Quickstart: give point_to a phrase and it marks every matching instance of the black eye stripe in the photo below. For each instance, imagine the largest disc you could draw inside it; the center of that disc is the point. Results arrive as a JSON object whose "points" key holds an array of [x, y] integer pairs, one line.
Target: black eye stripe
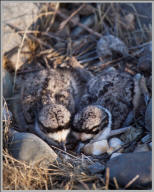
{"points": [[53, 130]]}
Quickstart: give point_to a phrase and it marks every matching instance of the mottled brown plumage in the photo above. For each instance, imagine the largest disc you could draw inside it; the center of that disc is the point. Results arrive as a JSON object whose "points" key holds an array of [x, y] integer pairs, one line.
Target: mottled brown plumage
{"points": [[112, 90], [50, 96]]}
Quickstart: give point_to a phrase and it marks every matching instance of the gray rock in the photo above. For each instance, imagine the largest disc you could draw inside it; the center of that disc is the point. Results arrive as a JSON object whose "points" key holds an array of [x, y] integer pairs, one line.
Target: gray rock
{"points": [[30, 148], [148, 117], [96, 168], [127, 166], [20, 15]]}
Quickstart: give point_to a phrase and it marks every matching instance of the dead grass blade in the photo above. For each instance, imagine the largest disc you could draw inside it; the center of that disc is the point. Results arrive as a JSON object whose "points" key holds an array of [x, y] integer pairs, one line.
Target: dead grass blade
{"points": [[107, 178], [79, 24], [54, 16], [131, 182], [116, 183], [62, 25], [18, 57]]}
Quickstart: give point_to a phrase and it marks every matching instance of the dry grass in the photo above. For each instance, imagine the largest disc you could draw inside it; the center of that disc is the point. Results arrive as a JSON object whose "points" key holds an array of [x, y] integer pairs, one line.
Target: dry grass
{"points": [[62, 174], [54, 25]]}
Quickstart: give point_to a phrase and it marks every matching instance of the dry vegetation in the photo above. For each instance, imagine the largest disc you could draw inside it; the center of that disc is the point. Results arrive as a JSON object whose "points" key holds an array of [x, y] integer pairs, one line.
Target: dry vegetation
{"points": [[49, 41]]}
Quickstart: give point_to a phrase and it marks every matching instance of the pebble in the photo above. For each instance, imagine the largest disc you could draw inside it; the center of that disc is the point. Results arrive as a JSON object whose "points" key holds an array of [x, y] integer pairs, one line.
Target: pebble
{"points": [[148, 117], [96, 148], [20, 17], [114, 144], [96, 168], [30, 148], [115, 155], [128, 165]]}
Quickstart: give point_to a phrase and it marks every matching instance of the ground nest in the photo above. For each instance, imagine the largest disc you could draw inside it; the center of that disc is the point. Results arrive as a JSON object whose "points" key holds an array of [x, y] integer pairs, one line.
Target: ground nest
{"points": [[65, 35]]}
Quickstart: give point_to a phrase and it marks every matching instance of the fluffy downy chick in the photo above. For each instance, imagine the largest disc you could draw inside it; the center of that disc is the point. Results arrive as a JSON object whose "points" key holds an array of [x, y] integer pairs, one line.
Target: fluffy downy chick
{"points": [[49, 98], [111, 93], [89, 122]]}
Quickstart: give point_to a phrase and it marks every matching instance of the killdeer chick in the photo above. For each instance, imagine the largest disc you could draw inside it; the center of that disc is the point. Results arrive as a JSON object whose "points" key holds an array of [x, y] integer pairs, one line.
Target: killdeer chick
{"points": [[106, 105], [87, 122], [49, 99], [52, 124]]}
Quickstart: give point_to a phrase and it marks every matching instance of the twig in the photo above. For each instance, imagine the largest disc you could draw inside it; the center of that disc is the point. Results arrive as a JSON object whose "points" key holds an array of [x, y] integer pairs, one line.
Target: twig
{"points": [[86, 55], [116, 183], [19, 31], [54, 16], [140, 46], [129, 71], [11, 52], [80, 25], [18, 56], [29, 71], [62, 25], [50, 34], [88, 60], [107, 178], [138, 20], [65, 152], [84, 184], [132, 181]]}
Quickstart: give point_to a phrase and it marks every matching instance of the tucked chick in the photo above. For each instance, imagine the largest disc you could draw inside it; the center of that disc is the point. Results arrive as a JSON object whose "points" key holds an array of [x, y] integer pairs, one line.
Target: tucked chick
{"points": [[106, 104], [49, 98], [90, 121]]}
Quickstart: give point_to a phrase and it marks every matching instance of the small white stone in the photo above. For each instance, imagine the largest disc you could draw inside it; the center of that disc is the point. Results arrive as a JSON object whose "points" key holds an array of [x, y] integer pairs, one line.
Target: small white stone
{"points": [[96, 148], [114, 143], [115, 155]]}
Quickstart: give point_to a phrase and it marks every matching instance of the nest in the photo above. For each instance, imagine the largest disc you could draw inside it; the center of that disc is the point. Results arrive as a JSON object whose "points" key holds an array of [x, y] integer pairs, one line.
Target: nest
{"points": [[61, 35]]}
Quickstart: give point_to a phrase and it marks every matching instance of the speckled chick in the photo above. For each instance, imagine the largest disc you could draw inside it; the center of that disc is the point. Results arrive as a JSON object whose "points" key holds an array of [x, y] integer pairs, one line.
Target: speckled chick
{"points": [[50, 97], [112, 90]]}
